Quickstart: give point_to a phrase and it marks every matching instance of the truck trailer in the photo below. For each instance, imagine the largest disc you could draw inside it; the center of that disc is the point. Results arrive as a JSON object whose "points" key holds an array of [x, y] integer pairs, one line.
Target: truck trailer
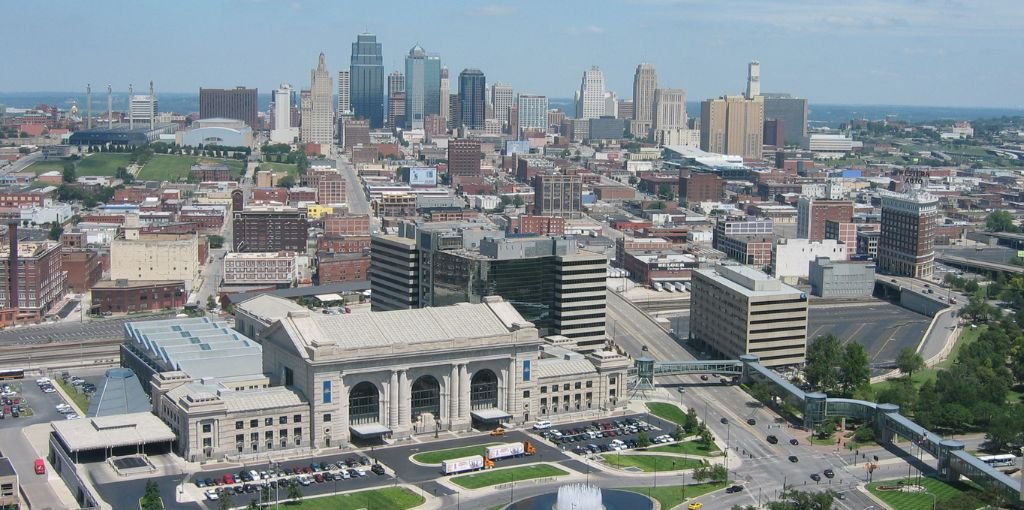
{"points": [[461, 465], [503, 451]]}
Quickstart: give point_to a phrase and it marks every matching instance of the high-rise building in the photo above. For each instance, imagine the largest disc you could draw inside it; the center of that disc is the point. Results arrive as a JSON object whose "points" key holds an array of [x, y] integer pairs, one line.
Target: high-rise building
{"points": [[625, 110], [264, 229], [737, 310], [397, 100], [367, 78], [558, 195], [611, 105], [645, 82], [35, 273], [282, 131], [753, 80], [330, 190], [318, 115], [463, 159], [669, 109], [143, 108], [502, 98], [733, 125], [533, 112], [472, 101], [811, 215], [344, 91], [696, 187], [906, 246], [422, 86], [590, 98], [238, 103], [445, 96], [553, 283], [791, 111]]}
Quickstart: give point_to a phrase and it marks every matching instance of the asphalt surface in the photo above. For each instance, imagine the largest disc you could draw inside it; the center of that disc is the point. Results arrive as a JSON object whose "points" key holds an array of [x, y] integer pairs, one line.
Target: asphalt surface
{"points": [[882, 328], [101, 329]]}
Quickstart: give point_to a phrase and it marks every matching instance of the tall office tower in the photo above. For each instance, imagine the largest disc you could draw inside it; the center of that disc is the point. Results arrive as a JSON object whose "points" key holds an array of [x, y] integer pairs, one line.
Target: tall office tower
{"points": [[906, 246], [238, 103], [732, 125], [282, 131], [463, 159], [367, 77], [669, 109], [792, 111], [318, 115], [394, 273], [753, 79], [397, 100], [551, 281], [738, 310], [472, 103], [513, 122], [502, 98], [454, 111], [344, 91], [558, 195], [445, 96], [422, 87], [811, 215], [625, 110], [590, 98], [645, 82], [533, 113], [143, 108], [611, 105]]}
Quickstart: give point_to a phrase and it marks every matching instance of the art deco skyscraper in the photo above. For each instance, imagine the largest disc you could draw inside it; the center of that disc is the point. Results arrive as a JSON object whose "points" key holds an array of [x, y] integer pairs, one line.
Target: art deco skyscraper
{"points": [[645, 81], [396, 100], [590, 99], [753, 79], [367, 75], [317, 115]]}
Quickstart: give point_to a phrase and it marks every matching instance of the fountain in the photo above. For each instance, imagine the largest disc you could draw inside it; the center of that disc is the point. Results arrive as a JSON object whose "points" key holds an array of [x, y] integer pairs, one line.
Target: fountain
{"points": [[578, 496]]}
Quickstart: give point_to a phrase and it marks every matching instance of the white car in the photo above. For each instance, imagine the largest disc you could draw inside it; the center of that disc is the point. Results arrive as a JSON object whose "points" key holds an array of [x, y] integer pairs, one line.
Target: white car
{"points": [[361, 471], [541, 425], [212, 495], [343, 474]]}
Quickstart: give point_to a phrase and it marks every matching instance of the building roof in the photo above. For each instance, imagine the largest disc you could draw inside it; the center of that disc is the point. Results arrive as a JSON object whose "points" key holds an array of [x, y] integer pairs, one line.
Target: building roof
{"points": [[558, 367], [274, 397], [200, 347], [297, 292], [121, 393], [6, 469], [112, 431], [747, 281], [268, 308]]}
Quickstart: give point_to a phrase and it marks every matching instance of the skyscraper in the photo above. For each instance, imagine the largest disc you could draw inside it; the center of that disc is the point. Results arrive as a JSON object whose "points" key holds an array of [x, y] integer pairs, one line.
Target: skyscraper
{"points": [[422, 87], [611, 105], [732, 125], [396, 100], [472, 103], [238, 103], [502, 98], [445, 95], [533, 113], [791, 111], [590, 98], [669, 109], [367, 76], [906, 246], [753, 79], [344, 92], [645, 82], [282, 131], [318, 116]]}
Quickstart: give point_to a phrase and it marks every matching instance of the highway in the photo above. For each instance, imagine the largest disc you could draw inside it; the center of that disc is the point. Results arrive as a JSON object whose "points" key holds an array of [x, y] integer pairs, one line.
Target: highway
{"points": [[22, 163]]}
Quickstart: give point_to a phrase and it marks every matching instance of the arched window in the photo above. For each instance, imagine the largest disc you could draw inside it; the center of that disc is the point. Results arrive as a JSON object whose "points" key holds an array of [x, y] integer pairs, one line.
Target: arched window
{"points": [[426, 397], [363, 404], [483, 390]]}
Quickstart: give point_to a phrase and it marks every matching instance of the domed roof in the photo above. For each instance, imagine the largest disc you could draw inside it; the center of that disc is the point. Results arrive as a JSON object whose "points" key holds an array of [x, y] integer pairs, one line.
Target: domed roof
{"points": [[417, 51]]}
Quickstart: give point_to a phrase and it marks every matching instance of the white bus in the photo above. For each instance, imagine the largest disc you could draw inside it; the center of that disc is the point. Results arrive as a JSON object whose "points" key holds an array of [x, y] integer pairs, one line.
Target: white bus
{"points": [[1005, 460]]}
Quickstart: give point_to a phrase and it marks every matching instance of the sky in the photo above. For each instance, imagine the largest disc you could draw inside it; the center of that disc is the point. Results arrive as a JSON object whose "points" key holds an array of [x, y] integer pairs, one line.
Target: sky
{"points": [[895, 52]]}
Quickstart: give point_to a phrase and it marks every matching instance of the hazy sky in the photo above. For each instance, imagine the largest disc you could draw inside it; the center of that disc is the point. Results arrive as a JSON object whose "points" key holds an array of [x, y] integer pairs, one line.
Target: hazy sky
{"points": [[910, 52]]}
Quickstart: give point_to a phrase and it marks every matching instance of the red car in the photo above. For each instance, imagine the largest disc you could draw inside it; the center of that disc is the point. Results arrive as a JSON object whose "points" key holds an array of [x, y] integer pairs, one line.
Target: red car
{"points": [[319, 478], [229, 479]]}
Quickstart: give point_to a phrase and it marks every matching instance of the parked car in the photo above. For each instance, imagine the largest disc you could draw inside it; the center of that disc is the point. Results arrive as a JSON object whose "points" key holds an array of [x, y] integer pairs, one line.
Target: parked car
{"points": [[377, 469]]}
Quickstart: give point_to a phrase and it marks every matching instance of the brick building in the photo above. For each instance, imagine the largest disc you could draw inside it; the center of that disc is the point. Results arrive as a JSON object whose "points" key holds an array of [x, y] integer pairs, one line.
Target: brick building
{"points": [[279, 195], [541, 225], [331, 190], [463, 159], [342, 267], [41, 280], [123, 296], [265, 229], [344, 244], [210, 172], [558, 195], [696, 187], [84, 269], [346, 225], [811, 215]]}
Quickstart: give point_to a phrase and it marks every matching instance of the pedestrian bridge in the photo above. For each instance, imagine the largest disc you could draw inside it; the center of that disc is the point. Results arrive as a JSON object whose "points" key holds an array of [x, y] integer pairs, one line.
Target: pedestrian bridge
{"points": [[816, 407]]}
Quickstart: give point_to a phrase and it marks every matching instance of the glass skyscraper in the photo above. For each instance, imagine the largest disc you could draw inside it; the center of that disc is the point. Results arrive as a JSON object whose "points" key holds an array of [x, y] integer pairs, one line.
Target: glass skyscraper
{"points": [[472, 98], [422, 87], [367, 80]]}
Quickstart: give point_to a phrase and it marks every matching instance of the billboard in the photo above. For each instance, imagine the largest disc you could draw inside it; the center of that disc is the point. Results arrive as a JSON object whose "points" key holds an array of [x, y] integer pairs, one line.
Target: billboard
{"points": [[423, 176]]}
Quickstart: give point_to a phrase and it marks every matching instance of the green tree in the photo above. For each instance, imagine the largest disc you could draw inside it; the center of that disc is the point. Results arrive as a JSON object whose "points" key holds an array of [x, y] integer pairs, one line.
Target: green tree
{"points": [[70, 173], [286, 182], [678, 434], [864, 434], [706, 439], [517, 201], [211, 303], [253, 505], [1000, 221], [643, 440], [909, 361], [798, 500], [151, 497], [691, 422], [294, 492], [971, 286], [701, 473], [760, 392], [719, 473], [55, 231], [822, 359], [854, 367], [665, 192], [226, 501], [215, 241]]}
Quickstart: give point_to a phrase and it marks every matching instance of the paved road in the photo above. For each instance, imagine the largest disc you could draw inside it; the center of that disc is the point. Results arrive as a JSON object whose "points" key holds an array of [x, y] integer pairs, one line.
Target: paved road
{"points": [[22, 163], [357, 202], [73, 333], [882, 328]]}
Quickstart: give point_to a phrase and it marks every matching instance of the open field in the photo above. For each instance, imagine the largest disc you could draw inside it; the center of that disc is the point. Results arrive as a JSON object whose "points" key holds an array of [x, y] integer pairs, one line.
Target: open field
{"points": [[919, 500], [650, 463], [41, 167], [672, 495], [392, 498], [291, 169], [104, 164], [165, 167], [668, 412], [686, 448], [499, 476]]}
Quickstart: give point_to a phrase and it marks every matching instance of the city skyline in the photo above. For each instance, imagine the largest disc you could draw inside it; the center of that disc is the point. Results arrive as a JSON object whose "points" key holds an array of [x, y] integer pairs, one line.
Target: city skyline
{"points": [[898, 53]]}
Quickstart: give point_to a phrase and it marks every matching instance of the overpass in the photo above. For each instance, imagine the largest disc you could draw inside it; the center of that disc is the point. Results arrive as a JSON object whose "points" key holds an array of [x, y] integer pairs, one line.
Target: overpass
{"points": [[816, 407], [974, 264]]}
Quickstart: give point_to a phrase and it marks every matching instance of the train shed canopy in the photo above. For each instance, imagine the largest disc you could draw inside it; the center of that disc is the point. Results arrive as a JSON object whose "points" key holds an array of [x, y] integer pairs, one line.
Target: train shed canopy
{"points": [[111, 432]]}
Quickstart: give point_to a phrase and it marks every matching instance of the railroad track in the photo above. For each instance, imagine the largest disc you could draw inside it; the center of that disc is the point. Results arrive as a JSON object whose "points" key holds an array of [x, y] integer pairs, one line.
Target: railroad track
{"points": [[60, 355]]}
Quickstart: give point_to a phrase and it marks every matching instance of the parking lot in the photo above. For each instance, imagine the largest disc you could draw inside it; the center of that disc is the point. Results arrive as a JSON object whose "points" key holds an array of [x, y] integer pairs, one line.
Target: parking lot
{"points": [[40, 406], [882, 328], [604, 434]]}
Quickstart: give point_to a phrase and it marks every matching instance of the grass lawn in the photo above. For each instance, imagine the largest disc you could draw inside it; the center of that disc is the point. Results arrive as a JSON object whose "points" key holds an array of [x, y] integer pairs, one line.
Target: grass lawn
{"points": [[437, 456], [41, 167], [80, 400], [102, 164], [670, 412], [292, 169], [499, 476], [686, 448], [672, 495], [828, 441], [919, 500], [164, 167], [969, 336], [651, 463], [392, 498]]}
